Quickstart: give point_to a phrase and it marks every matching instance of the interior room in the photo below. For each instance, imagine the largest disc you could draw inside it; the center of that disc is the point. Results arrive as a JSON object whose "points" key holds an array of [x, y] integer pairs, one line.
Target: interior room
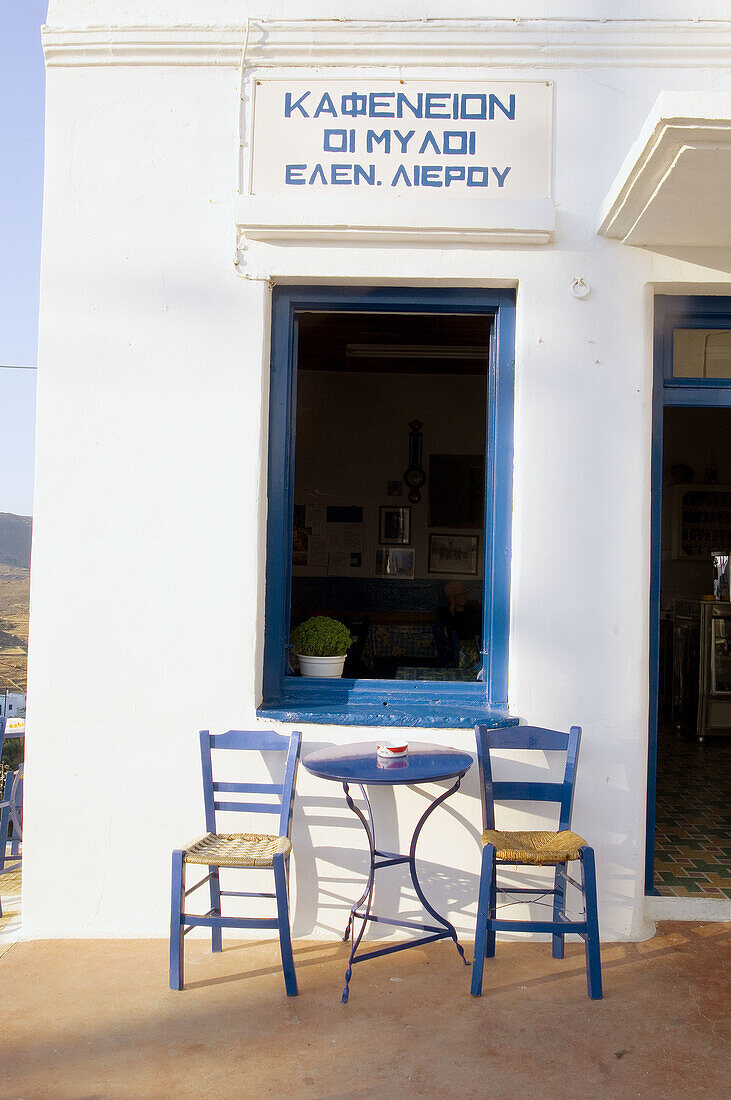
{"points": [[389, 488], [693, 824]]}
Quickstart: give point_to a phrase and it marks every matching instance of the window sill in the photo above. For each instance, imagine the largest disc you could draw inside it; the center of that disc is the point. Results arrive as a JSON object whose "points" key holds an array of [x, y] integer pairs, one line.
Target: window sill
{"points": [[381, 703]]}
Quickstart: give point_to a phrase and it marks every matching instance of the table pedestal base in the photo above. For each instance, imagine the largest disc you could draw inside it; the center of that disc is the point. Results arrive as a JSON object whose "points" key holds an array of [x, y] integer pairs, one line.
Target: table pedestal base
{"points": [[362, 908]]}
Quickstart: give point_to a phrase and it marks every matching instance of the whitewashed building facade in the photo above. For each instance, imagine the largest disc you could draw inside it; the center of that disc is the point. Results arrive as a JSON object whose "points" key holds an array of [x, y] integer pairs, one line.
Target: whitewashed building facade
{"points": [[578, 167]]}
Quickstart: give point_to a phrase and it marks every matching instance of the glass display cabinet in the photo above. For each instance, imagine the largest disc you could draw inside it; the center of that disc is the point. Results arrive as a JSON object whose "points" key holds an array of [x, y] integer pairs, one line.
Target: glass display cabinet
{"points": [[702, 667]]}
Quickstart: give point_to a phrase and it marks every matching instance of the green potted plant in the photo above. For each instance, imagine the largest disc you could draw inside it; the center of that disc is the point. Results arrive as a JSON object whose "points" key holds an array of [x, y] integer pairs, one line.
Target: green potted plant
{"points": [[320, 645]]}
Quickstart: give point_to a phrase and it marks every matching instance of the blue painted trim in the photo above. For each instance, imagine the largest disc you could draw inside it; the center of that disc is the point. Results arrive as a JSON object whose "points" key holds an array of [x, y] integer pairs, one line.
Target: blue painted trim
{"points": [[499, 501], [452, 715], [382, 693], [655, 569], [351, 702], [700, 384], [671, 312], [713, 397]]}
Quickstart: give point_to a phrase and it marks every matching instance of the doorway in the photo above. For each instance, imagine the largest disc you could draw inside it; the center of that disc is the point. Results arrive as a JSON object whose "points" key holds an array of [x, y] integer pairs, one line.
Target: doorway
{"points": [[689, 780], [693, 823]]}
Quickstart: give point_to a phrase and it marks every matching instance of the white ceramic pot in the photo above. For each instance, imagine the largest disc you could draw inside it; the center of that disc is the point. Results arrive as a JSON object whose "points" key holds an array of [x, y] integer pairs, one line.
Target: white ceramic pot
{"points": [[331, 667]]}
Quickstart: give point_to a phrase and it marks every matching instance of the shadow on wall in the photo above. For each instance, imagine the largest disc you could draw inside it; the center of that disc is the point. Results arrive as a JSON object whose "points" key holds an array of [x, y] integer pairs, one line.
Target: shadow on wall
{"points": [[449, 890], [715, 259], [331, 878]]}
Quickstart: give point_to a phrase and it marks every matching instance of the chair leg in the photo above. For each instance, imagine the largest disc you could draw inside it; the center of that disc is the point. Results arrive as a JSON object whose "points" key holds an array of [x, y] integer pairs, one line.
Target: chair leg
{"points": [[557, 938], [4, 823], [593, 950], [215, 885], [484, 898], [492, 913], [4, 817], [176, 927], [285, 939]]}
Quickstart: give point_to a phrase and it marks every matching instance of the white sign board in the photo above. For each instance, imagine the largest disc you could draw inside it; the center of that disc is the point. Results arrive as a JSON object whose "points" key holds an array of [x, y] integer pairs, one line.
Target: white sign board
{"points": [[432, 139]]}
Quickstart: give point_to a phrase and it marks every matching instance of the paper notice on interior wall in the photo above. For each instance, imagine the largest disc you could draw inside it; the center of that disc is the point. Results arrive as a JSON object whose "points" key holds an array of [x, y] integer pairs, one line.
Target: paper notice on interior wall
{"points": [[353, 538], [317, 552], [346, 537], [315, 515], [300, 537], [338, 564]]}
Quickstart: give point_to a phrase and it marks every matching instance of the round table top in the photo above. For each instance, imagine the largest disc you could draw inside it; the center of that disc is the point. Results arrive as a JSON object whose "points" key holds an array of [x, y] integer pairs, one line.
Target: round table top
{"points": [[359, 764]]}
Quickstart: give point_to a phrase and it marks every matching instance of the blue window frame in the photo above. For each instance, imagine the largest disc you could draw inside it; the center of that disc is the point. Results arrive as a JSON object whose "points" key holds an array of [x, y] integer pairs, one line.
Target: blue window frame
{"points": [[388, 702], [672, 312]]}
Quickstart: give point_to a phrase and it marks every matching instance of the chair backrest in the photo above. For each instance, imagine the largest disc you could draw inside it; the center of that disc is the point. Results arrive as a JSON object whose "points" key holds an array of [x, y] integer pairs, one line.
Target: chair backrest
{"points": [[16, 732], [11, 812], [526, 737], [259, 741], [16, 803]]}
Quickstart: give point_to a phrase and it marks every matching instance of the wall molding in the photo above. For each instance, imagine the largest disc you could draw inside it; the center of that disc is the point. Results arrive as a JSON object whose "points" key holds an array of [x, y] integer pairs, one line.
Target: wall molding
{"points": [[686, 134], [395, 220], [536, 44]]}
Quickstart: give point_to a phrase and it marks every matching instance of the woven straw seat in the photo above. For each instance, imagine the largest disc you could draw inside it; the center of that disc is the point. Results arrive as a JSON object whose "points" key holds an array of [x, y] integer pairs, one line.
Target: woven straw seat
{"points": [[535, 848], [237, 849], [225, 794]]}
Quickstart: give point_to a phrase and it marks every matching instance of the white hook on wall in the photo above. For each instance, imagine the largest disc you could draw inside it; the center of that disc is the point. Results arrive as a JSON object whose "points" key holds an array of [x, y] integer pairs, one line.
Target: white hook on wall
{"points": [[580, 288]]}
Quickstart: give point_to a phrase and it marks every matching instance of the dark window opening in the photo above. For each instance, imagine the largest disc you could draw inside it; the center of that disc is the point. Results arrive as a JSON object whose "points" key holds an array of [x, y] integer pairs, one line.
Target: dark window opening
{"points": [[374, 390], [389, 488]]}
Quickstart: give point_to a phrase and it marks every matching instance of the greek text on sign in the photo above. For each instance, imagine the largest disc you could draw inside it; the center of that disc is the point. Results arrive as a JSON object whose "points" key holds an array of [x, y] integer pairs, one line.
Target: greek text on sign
{"points": [[465, 138]]}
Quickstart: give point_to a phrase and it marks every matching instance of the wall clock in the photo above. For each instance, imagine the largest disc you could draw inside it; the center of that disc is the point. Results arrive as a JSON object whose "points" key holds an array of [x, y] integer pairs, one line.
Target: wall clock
{"points": [[415, 476]]}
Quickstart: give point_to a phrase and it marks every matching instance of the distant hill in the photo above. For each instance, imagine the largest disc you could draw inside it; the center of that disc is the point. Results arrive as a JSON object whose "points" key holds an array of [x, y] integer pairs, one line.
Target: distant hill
{"points": [[14, 600], [15, 536]]}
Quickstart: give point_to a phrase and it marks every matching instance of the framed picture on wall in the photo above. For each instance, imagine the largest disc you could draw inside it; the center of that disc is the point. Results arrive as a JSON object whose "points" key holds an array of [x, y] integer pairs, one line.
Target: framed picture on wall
{"points": [[395, 526], [453, 554], [456, 491], [394, 563]]}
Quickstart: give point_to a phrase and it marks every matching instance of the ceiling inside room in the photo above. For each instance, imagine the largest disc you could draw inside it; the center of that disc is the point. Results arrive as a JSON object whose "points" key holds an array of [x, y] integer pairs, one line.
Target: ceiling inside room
{"points": [[394, 342]]}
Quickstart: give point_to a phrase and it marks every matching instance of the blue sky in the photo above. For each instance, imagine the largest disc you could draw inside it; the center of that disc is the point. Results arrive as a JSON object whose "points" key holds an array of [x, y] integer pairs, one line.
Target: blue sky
{"points": [[22, 91]]}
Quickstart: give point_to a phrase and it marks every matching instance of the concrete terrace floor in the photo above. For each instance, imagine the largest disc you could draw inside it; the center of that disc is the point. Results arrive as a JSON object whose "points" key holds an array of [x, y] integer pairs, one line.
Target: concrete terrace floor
{"points": [[94, 1018]]}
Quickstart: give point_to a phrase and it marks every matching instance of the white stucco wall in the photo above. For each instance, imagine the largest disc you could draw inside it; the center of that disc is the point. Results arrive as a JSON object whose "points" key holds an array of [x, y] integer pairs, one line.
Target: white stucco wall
{"points": [[76, 13], [149, 534]]}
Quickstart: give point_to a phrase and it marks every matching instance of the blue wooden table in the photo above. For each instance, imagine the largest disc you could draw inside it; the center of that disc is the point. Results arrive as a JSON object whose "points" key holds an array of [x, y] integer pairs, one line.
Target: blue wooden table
{"points": [[358, 764]]}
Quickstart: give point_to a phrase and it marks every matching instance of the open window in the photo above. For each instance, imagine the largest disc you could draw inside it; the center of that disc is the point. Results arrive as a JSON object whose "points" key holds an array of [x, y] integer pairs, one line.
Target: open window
{"points": [[390, 478]]}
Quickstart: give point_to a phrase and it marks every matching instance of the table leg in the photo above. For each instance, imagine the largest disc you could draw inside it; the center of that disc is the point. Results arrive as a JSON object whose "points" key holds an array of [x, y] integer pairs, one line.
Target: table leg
{"points": [[368, 892], [389, 859], [412, 868]]}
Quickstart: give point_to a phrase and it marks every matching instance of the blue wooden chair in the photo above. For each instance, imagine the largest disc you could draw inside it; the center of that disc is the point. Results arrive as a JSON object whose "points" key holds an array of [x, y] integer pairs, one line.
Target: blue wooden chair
{"points": [[216, 850], [542, 849], [11, 824]]}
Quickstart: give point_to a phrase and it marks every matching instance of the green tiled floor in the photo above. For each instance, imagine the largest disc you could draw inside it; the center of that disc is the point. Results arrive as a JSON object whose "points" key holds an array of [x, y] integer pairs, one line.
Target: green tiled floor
{"points": [[693, 816]]}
